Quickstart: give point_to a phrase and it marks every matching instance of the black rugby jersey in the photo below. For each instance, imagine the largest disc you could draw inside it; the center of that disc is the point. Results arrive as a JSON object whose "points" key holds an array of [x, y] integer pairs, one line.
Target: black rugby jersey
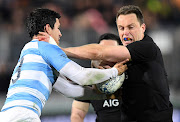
{"points": [[107, 110], [146, 92]]}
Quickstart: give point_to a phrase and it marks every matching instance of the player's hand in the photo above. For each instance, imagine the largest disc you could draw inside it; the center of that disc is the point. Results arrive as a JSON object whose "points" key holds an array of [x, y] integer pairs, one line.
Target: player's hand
{"points": [[43, 36], [121, 66], [110, 96]]}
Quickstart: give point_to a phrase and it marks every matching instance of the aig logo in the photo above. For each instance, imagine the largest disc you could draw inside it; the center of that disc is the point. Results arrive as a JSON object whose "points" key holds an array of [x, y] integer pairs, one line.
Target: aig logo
{"points": [[111, 102]]}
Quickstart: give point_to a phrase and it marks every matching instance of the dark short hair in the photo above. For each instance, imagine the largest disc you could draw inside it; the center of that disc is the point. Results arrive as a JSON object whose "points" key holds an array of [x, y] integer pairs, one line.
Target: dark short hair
{"points": [[37, 20], [130, 9], [110, 36]]}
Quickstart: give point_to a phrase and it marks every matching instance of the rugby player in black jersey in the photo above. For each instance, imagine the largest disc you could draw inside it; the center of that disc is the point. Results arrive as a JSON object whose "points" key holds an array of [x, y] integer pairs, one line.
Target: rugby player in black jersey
{"points": [[145, 92], [106, 110]]}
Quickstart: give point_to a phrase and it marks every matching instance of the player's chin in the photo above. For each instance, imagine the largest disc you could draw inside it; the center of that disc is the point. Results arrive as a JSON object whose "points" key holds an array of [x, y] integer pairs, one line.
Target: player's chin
{"points": [[127, 43]]}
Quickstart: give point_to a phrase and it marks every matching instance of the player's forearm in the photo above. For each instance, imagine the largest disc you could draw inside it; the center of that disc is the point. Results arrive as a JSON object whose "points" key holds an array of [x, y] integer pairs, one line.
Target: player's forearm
{"points": [[99, 52], [75, 91], [90, 51], [87, 76]]}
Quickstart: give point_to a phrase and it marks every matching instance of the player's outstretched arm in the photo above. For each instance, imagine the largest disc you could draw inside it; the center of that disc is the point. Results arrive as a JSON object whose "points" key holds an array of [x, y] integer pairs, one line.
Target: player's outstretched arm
{"points": [[89, 76], [98, 52], [93, 51]]}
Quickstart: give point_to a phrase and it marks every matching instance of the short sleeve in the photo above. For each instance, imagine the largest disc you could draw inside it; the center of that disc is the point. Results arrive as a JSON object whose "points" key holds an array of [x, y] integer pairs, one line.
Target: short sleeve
{"points": [[142, 51], [86, 101], [53, 55]]}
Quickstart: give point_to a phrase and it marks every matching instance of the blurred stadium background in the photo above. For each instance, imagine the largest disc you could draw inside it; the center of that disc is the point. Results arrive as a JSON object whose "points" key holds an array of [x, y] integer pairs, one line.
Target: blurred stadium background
{"points": [[82, 22]]}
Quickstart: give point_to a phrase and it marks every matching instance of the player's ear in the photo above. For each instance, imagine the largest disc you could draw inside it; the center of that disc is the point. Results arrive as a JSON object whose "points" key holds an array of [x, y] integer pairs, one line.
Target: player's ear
{"points": [[47, 29], [143, 26]]}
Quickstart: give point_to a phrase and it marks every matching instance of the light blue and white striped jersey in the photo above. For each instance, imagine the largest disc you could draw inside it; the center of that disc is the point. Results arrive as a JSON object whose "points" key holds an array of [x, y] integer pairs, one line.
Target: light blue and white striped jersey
{"points": [[32, 79]]}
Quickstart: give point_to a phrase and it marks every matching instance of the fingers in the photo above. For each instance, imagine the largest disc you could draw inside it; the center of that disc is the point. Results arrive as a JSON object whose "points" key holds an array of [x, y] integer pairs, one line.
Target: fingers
{"points": [[121, 66], [44, 33], [125, 61], [100, 67], [107, 67], [111, 96], [40, 37], [43, 36], [126, 67]]}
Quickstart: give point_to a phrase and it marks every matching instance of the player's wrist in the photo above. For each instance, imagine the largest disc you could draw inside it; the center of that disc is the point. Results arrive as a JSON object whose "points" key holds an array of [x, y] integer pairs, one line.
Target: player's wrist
{"points": [[115, 71]]}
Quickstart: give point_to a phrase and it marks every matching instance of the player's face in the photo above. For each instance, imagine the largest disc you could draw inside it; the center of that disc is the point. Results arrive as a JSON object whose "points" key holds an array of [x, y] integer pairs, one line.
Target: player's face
{"points": [[129, 28], [55, 32]]}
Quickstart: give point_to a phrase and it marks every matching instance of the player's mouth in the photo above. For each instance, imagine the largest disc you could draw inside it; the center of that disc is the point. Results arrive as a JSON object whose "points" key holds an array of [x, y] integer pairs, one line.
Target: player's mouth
{"points": [[127, 39]]}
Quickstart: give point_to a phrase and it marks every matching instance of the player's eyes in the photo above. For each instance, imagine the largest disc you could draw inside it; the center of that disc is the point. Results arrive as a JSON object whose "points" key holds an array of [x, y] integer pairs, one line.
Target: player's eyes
{"points": [[121, 28], [131, 27]]}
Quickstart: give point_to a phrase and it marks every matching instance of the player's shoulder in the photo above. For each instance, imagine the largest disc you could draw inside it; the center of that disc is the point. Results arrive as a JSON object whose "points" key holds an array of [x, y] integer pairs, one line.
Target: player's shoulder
{"points": [[46, 45]]}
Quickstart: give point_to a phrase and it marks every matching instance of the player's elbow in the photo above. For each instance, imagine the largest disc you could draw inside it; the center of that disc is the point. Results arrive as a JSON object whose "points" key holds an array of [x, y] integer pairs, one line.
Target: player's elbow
{"points": [[77, 115], [76, 118]]}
